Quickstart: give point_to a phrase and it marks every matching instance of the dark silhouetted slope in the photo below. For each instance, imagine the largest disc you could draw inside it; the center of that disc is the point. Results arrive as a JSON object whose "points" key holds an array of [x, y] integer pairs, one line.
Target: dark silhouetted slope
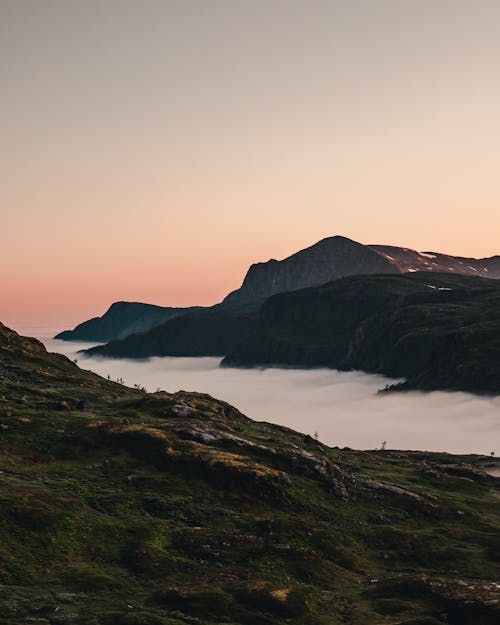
{"points": [[207, 332], [436, 330], [331, 258], [121, 320]]}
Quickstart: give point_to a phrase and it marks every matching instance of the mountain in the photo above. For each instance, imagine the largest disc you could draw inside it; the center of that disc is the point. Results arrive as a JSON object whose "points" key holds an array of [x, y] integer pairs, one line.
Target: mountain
{"points": [[327, 260], [205, 332], [121, 320], [438, 331], [331, 258], [122, 507], [338, 257]]}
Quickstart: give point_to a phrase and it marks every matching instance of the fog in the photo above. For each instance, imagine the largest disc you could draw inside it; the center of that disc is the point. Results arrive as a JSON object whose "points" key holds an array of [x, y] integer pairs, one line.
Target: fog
{"points": [[343, 408]]}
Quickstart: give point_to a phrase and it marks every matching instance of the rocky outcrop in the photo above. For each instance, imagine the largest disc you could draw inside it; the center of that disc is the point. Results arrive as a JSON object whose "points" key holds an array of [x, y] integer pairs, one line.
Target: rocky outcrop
{"points": [[397, 489]]}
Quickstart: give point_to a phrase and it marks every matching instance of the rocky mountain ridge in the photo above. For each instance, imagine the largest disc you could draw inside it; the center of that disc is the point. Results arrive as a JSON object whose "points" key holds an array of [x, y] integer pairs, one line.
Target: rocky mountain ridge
{"points": [[408, 261], [437, 331], [329, 259], [339, 257]]}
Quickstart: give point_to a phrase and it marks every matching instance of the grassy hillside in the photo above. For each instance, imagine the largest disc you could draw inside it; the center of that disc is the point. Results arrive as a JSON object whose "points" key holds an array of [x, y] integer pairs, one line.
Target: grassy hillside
{"points": [[125, 508], [435, 330]]}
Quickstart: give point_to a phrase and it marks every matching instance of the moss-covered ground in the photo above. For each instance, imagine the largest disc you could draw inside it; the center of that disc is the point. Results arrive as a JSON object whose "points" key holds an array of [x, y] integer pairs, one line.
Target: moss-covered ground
{"points": [[121, 507]]}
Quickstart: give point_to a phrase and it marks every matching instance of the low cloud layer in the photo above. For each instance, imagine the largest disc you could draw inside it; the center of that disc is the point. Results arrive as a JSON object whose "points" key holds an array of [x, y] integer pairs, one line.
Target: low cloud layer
{"points": [[344, 408]]}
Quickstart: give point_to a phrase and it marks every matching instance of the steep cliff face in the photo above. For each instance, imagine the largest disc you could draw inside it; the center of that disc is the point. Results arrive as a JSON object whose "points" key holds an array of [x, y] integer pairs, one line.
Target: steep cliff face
{"points": [[329, 259], [121, 320]]}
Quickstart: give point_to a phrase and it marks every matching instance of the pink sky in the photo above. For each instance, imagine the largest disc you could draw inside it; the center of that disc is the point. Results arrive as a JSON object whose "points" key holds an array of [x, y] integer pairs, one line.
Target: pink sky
{"points": [[154, 150]]}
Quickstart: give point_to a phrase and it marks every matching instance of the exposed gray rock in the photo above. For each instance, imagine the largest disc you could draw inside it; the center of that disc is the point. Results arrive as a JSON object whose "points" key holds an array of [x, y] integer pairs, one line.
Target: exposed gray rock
{"points": [[180, 410], [329, 259], [396, 489]]}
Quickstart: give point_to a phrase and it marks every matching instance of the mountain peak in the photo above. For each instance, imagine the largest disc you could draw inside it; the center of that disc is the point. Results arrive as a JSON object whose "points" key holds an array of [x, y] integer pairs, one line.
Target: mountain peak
{"points": [[338, 256], [328, 259]]}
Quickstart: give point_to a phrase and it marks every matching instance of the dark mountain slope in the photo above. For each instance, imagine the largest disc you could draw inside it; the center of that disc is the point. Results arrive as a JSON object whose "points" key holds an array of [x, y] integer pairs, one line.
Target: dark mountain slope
{"points": [[327, 260], [125, 508], [338, 257], [436, 330], [206, 332], [331, 258], [121, 320]]}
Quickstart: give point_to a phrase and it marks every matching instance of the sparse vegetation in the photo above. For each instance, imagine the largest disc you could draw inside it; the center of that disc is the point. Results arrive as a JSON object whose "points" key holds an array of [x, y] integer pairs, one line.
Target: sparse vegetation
{"points": [[121, 507]]}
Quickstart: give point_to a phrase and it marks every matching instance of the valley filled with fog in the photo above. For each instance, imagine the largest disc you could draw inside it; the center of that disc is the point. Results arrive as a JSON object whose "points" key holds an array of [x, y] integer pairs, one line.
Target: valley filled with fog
{"points": [[344, 409]]}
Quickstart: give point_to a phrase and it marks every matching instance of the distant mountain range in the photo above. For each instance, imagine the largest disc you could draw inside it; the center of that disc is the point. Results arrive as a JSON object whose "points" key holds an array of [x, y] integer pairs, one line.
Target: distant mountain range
{"points": [[437, 331], [338, 257], [430, 318], [329, 259]]}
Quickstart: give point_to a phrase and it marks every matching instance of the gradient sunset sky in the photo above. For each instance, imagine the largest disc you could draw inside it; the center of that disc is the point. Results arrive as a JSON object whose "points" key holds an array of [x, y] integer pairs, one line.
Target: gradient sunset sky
{"points": [[153, 149]]}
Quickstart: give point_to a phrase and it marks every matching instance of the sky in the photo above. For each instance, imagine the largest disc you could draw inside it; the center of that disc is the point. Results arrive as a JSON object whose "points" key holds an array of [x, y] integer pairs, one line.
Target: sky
{"points": [[153, 149]]}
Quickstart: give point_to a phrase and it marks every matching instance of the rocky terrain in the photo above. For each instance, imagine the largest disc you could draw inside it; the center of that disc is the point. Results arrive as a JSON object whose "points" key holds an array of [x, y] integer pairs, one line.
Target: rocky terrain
{"points": [[329, 259], [122, 319], [338, 257], [438, 331], [408, 261], [122, 507]]}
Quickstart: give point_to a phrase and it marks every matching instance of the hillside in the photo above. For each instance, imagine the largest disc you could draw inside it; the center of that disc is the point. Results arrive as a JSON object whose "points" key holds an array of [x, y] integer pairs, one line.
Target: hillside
{"points": [[439, 331], [121, 507], [210, 331], [122, 319], [409, 261]]}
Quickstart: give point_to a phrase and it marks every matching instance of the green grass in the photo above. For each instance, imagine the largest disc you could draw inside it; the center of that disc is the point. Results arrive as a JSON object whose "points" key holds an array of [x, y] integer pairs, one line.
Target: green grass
{"points": [[121, 514]]}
